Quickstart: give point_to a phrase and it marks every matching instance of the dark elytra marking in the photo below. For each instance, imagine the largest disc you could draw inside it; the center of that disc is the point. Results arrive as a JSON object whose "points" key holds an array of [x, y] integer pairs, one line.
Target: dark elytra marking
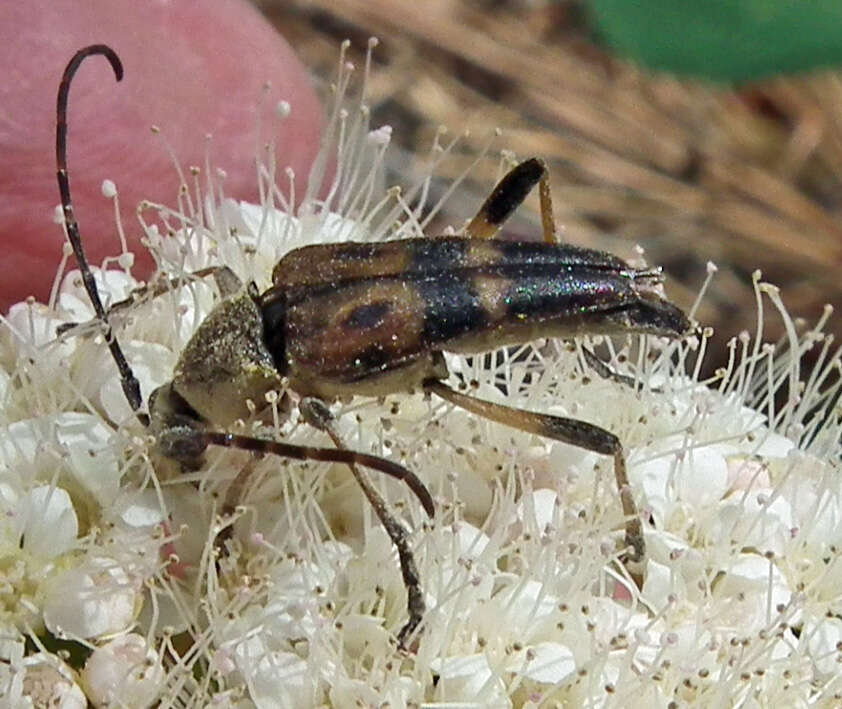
{"points": [[539, 254], [537, 296], [274, 329], [452, 308], [535, 254], [434, 256], [368, 316], [372, 359]]}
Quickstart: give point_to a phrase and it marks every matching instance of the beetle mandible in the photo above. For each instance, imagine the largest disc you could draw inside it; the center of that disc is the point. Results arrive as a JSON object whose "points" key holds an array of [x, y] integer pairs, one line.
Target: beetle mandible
{"points": [[375, 318]]}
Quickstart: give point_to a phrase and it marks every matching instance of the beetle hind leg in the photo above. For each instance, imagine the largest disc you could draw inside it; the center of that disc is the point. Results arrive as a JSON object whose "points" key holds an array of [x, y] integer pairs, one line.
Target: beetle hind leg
{"points": [[508, 195], [578, 433]]}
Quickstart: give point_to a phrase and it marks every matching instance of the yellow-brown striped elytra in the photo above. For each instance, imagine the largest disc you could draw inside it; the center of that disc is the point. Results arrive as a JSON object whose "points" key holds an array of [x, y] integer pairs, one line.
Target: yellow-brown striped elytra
{"points": [[375, 318]]}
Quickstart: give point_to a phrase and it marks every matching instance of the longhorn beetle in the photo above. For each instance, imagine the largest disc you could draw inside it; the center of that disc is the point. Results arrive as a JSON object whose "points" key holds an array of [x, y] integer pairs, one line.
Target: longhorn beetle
{"points": [[374, 318]]}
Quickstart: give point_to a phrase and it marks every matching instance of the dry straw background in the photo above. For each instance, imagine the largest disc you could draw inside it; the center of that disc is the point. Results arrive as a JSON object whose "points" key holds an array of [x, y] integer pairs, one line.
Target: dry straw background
{"points": [[748, 178]]}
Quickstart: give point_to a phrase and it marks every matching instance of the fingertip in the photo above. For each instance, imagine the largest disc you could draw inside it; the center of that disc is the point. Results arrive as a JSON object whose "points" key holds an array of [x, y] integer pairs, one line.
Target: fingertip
{"points": [[194, 69]]}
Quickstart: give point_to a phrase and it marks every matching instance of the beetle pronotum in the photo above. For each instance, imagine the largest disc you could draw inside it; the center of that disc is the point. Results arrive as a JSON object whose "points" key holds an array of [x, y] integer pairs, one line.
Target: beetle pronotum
{"points": [[375, 318]]}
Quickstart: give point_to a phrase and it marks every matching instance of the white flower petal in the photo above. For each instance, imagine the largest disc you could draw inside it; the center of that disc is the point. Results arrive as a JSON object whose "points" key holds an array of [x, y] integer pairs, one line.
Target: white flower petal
{"points": [[113, 284], [703, 477], [824, 638], [276, 679], [752, 590], [347, 692], [82, 439], [525, 608], [539, 510], [50, 525], [34, 328], [91, 455], [544, 663], [656, 476], [142, 509], [49, 682], [91, 601], [469, 678], [760, 519], [124, 671], [774, 445], [747, 473], [818, 517], [661, 583]]}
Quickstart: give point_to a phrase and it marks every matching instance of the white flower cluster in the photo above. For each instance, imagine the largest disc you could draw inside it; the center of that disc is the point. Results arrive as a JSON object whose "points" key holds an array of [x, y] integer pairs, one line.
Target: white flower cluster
{"points": [[259, 582]]}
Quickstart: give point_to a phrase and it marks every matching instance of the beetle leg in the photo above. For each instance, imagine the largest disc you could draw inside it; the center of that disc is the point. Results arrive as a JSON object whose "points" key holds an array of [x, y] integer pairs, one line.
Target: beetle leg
{"points": [[226, 280], [577, 433], [227, 283], [547, 218], [508, 195], [604, 371], [317, 415], [186, 442]]}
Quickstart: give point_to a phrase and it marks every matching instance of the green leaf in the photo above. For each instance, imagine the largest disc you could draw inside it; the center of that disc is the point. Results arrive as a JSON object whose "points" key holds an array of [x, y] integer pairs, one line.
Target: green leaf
{"points": [[723, 40]]}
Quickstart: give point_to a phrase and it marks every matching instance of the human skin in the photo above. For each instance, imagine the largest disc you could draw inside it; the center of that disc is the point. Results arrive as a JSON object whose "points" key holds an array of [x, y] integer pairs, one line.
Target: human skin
{"points": [[193, 68]]}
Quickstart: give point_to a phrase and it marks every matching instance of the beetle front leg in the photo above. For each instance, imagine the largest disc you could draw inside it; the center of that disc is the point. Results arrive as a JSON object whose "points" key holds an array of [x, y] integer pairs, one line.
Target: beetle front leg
{"points": [[317, 415], [227, 283], [577, 433], [226, 280]]}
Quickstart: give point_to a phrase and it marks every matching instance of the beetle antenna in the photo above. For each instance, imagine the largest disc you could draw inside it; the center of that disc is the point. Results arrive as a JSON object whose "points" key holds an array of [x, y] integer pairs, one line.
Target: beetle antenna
{"points": [[131, 387]]}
